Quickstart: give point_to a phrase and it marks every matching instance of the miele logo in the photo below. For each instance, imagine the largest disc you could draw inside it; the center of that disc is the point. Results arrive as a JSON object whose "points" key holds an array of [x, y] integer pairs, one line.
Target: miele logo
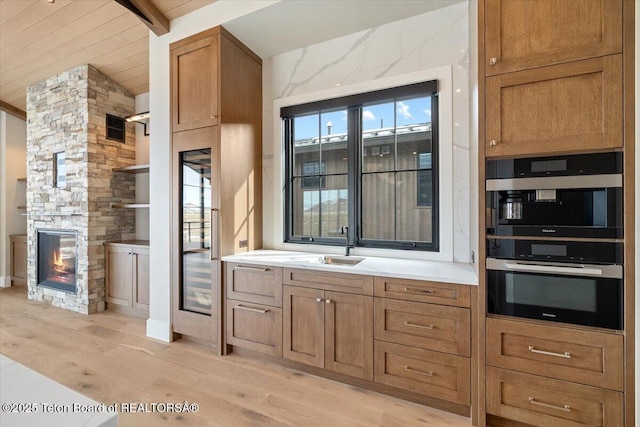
{"points": [[548, 230], [548, 315]]}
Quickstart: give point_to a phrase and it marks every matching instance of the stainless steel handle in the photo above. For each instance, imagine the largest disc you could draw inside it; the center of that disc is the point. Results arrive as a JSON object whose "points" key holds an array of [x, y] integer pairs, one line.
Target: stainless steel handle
{"points": [[553, 269], [415, 325], [565, 355], [417, 371], [493, 143], [565, 408], [328, 301], [242, 267], [318, 299], [251, 309], [555, 182], [213, 234], [420, 291], [493, 61]]}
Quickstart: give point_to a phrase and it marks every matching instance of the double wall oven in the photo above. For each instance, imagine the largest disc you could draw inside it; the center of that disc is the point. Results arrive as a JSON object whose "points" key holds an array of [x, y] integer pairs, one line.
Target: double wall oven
{"points": [[554, 230]]}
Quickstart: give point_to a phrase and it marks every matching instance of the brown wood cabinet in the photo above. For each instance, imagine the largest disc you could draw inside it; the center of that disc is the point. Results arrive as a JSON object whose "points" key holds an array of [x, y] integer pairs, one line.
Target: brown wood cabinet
{"points": [[543, 402], [428, 326], [127, 276], [586, 357], [254, 283], [257, 327], [441, 375], [529, 34], [18, 257], [216, 110], [423, 291], [557, 109], [331, 330]]}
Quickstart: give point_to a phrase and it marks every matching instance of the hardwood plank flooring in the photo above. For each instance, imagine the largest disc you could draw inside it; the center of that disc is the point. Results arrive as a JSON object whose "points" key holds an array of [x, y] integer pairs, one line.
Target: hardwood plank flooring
{"points": [[108, 358]]}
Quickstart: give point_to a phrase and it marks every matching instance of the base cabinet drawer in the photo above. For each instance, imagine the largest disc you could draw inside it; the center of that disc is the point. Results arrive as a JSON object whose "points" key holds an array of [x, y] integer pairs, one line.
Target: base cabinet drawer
{"points": [[423, 291], [551, 403], [255, 327], [428, 326], [440, 375], [254, 283], [586, 357]]}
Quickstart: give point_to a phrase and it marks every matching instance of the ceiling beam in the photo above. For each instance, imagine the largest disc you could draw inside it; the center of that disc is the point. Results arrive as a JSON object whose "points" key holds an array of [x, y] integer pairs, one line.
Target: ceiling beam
{"points": [[14, 111], [149, 14]]}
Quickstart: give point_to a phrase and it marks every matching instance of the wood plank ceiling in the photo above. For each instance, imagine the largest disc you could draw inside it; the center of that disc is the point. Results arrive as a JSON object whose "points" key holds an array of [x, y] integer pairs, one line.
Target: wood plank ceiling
{"points": [[39, 39]]}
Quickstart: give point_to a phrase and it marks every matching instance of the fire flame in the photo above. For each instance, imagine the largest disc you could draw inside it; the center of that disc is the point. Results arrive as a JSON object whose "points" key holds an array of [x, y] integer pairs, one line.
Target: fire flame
{"points": [[58, 264]]}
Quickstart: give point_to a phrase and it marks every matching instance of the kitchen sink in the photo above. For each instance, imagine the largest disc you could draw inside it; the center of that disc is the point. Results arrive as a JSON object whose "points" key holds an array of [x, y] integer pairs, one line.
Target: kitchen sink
{"points": [[341, 260]]}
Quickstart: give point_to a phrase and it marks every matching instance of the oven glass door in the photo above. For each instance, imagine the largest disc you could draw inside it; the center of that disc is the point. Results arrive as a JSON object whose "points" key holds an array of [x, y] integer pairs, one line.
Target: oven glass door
{"points": [[583, 300]]}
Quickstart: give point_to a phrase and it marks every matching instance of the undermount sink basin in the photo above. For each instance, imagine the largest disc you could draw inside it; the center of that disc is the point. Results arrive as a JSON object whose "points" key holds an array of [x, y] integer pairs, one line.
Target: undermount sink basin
{"points": [[341, 260]]}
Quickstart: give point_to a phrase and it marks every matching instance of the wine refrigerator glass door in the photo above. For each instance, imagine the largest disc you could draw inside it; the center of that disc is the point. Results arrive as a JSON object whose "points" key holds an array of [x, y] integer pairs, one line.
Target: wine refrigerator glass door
{"points": [[195, 264]]}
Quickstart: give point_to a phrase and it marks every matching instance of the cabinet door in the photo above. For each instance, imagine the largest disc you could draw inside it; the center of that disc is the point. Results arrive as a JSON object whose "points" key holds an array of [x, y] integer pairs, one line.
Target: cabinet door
{"points": [[141, 270], [533, 33], [196, 279], [303, 325], [348, 334], [194, 84], [557, 109], [118, 275]]}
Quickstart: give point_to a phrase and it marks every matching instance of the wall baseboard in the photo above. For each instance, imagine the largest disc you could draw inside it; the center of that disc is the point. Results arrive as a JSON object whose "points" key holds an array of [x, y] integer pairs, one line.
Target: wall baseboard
{"points": [[159, 330], [5, 281]]}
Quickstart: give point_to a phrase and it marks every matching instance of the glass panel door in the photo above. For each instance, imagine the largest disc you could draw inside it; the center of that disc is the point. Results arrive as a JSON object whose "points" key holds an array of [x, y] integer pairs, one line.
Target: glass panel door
{"points": [[195, 218]]}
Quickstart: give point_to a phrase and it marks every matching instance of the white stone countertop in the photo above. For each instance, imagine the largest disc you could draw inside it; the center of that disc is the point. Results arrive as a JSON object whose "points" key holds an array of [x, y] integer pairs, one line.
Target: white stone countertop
{"points": [[437, 271]]}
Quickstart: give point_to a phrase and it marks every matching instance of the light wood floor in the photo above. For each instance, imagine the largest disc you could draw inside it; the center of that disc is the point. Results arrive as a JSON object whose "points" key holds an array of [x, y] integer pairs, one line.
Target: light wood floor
{"points": [[108, 358]]}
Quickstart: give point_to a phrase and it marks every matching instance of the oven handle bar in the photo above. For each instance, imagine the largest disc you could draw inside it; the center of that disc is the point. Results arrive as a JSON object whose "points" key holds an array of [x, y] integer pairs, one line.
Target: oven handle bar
{"points": [[605, 271], [555, 182]]}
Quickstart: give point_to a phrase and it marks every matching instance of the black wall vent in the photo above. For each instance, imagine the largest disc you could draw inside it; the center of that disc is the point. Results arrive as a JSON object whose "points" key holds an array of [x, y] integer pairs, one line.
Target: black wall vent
{"points": [[115, 128]]}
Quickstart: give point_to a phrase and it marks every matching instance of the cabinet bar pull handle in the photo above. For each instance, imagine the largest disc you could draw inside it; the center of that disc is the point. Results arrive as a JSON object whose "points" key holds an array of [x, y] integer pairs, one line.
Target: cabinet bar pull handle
{"points": [[242, 267], [415, 325], [565, 355], [416, 371], [213, 238], [253, 310], [565, 408], [421, 291]]}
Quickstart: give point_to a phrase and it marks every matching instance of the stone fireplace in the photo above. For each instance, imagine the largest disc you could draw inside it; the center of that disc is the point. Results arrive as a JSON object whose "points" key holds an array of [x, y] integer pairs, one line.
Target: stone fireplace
{"points": [[71, 186]]}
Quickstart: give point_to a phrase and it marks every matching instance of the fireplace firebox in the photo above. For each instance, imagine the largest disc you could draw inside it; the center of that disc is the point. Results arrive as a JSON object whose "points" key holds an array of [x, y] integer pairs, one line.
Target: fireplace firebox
{"points": [[57, 259]]}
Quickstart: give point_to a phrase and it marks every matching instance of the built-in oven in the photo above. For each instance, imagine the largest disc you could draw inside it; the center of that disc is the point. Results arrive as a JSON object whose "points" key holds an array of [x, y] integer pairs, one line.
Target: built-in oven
{"points": [[560, 281], [577, 196]]}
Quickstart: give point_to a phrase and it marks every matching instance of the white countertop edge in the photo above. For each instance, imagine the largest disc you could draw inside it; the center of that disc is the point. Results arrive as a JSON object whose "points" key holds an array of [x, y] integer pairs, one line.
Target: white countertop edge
{"points": [[439, 271]]}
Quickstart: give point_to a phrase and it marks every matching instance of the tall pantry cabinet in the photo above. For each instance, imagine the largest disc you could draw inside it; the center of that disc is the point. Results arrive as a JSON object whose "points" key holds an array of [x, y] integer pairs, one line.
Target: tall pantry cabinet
{"points": [[557, 77], [216, 126]]}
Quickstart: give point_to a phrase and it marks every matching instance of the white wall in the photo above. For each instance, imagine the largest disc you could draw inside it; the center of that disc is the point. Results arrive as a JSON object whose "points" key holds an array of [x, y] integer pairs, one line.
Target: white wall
{"points": [[159, 323], [13, 165], [142, 179], [423, 47]]}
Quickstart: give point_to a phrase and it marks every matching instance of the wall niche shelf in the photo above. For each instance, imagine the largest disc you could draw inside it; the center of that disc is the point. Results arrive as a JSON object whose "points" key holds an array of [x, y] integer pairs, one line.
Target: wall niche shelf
{"points": [[135, 169]]}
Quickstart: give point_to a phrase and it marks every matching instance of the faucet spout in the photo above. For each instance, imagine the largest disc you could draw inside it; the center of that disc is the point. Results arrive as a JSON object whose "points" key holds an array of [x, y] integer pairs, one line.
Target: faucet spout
{"points": [[347, 245]]}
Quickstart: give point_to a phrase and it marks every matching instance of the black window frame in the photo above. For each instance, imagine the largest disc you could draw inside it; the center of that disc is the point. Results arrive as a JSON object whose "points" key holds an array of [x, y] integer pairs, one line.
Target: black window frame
{"points": [[354, 106]]}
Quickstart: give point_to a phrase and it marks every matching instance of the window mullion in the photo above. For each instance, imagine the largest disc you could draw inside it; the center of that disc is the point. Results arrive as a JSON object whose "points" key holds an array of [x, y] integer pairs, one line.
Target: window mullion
{"points": [[353, 172]]}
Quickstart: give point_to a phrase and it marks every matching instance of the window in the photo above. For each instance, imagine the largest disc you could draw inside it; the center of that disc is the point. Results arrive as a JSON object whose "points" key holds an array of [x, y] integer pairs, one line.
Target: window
{"points": [[368, 161]]}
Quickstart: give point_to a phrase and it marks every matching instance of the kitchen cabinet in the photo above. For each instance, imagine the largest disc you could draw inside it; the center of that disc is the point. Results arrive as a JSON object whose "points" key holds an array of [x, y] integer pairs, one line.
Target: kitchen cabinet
{"points": [[331, 330], [254, 307], [328, 320], [127, 276], [529, 34], [562, 108], [543, 402], [423, 337], [18, 257], [216, 128]]}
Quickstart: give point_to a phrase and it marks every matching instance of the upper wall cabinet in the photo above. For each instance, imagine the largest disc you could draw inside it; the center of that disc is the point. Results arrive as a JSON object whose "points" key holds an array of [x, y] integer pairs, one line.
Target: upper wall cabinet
{"points": [[556, 109], [194, 84], [534, 33]]}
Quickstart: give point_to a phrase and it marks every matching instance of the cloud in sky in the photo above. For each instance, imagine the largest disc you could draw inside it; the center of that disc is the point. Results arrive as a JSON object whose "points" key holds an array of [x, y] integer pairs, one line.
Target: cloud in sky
{"points": [[427, 111], [368, 115], [403, 110]]}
